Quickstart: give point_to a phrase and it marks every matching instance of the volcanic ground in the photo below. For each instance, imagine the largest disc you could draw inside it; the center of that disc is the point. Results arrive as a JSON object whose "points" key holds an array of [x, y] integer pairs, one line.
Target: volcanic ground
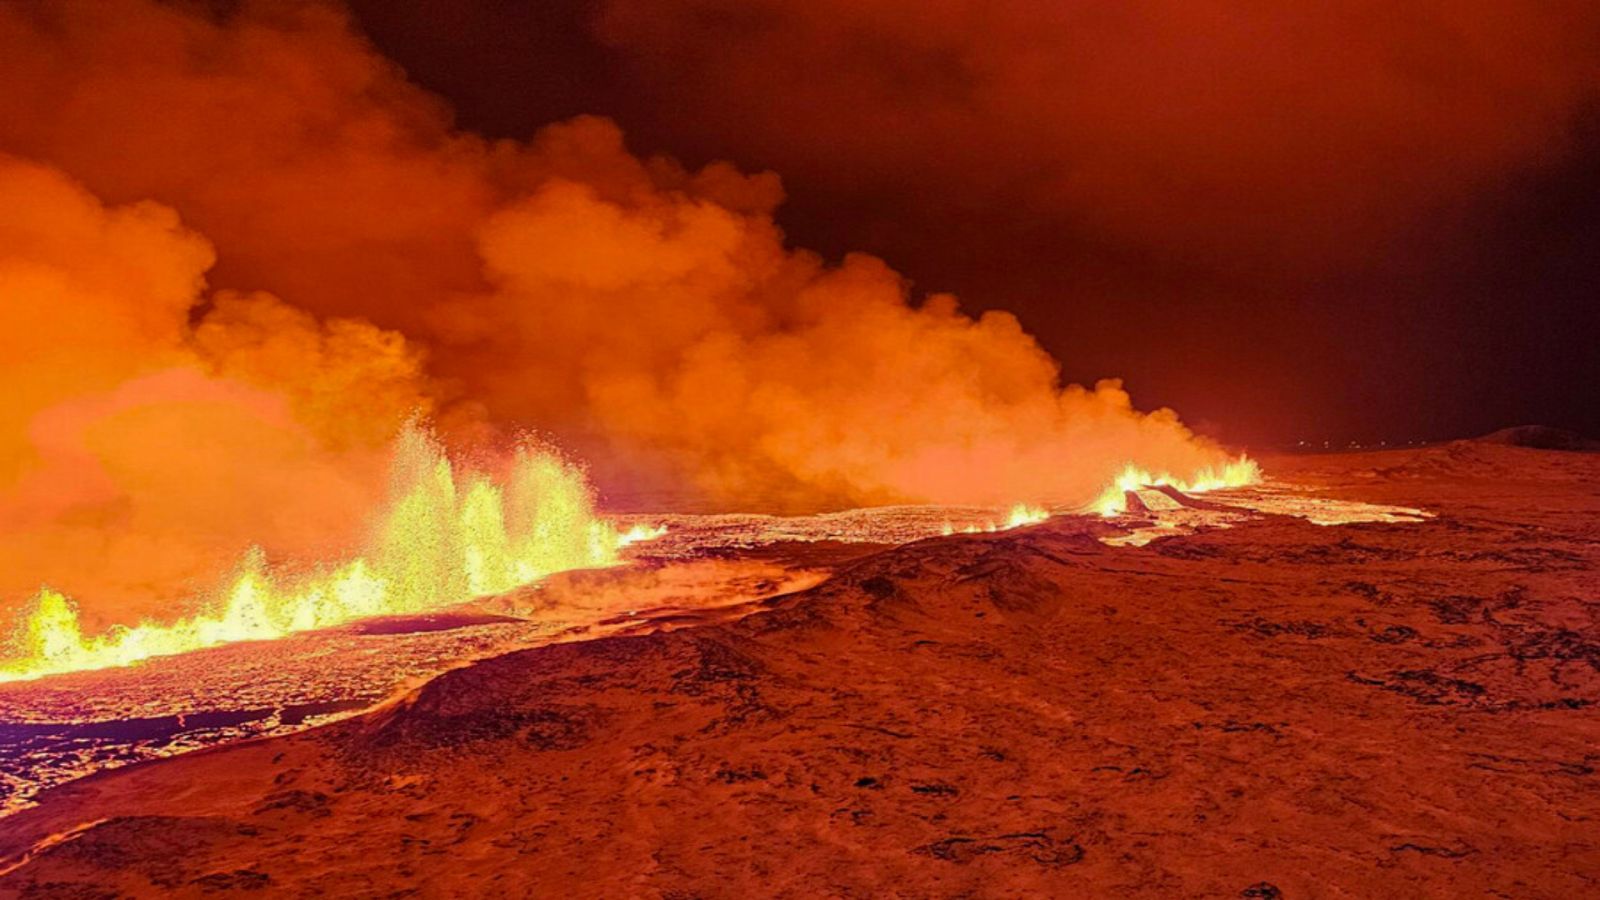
{"points": [[1375, 677]]}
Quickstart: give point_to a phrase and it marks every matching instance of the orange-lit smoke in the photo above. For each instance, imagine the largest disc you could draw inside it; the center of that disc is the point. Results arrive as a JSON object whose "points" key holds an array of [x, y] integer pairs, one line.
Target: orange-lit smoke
{"points": [[145, 439], [371, 260]]}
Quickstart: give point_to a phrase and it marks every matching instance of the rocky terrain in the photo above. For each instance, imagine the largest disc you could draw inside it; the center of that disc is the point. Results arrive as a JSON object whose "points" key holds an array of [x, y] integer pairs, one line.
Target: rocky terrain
{"points": [[1273, 709]]}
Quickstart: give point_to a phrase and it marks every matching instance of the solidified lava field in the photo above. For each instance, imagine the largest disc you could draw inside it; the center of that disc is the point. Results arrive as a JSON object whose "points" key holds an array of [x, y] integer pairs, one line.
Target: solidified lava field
{"points": [[1275, 708]]}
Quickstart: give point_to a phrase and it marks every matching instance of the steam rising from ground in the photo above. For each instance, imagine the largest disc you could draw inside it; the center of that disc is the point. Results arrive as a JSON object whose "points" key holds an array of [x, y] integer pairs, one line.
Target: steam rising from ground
{"points": [[237, 254]]}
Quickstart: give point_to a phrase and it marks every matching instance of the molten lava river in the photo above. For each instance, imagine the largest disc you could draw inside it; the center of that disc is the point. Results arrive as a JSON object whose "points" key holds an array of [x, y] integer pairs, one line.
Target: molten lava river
{"points": [[463, 566]]}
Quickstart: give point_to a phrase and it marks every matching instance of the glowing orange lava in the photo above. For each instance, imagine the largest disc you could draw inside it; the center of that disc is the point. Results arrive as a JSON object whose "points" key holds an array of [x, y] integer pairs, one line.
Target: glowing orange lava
{"points": [[443, 537], [1020, 515], [1238, 473]]}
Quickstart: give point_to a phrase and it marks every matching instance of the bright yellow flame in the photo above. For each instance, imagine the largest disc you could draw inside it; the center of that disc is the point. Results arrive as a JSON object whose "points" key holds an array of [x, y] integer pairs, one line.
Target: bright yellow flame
{"points": [[1237, 473], [442, 539], [640, 533], [1020, 515], [1023, 514]]}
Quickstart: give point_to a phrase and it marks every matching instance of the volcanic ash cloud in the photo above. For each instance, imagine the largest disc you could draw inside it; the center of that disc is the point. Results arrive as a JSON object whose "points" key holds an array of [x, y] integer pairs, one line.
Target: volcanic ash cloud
{"points": [[146, 443], [237, 253]]}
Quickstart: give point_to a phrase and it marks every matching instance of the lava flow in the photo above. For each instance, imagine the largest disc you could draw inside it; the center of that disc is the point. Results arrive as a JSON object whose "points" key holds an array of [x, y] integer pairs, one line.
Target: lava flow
{"points": [[444, 537]]}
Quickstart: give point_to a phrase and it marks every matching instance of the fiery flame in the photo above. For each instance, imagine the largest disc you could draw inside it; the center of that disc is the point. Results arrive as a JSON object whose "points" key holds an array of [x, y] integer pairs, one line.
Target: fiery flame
{"points": [[1020, 515], [1238, 473], [444, 537], [1023, 514]]}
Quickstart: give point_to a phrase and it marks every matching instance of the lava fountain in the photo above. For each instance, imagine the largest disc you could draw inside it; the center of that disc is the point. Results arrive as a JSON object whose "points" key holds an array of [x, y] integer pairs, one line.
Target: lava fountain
{"points": [[1113, 501], [443, 536]]}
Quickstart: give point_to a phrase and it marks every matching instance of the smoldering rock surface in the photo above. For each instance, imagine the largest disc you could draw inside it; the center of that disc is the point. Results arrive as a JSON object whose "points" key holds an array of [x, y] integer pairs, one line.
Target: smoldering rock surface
{"points": [[1272, 709]]}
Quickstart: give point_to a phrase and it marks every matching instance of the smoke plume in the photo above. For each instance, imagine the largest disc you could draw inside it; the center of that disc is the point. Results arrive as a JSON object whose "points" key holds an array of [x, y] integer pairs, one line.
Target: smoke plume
{"points": [[147, 440], [238, 251]]}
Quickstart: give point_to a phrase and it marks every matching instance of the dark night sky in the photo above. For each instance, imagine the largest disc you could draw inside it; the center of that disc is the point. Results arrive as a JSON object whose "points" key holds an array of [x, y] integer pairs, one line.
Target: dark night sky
{"points": [[1325, 257]]}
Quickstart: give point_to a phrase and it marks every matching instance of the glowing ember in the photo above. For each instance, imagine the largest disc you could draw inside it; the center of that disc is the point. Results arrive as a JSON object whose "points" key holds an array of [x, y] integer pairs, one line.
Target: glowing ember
{"points": [[444, 537], [1239, 473]]}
